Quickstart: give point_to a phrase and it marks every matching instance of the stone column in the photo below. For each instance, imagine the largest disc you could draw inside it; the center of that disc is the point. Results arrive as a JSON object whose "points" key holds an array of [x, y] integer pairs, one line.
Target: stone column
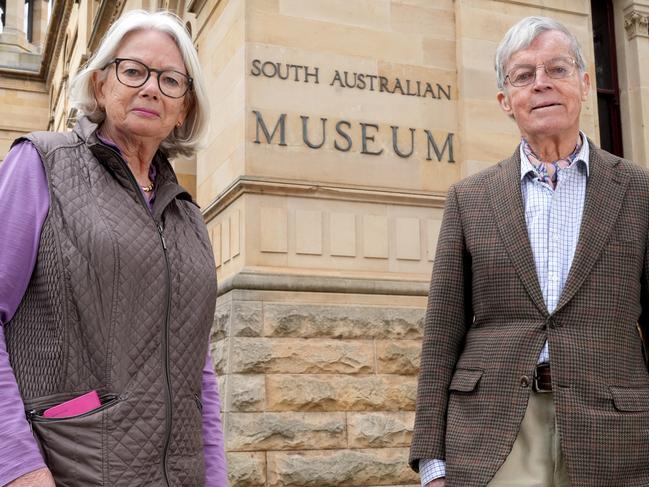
{"points": [[39, 24], [14, 30], [632, 39], [322, 183]]}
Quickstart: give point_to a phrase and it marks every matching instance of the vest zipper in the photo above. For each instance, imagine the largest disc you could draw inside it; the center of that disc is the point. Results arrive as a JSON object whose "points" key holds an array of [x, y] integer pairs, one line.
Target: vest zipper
{"points": [[165, 349], [165, 335]]}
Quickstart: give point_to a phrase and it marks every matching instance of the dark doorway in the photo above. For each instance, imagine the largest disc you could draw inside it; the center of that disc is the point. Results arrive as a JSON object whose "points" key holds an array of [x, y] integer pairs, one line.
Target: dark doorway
{"points": [[608, 91]]}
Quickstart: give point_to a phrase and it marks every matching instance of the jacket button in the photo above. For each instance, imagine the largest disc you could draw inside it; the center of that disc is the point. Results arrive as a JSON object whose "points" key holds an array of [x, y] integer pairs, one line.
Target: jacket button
{"points": [[525, 381], [550, 323]]}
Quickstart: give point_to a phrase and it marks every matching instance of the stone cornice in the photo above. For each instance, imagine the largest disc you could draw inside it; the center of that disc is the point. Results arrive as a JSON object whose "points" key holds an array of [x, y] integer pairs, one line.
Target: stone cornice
{"points": [[264, 279], [55, 36], [278, 187]]}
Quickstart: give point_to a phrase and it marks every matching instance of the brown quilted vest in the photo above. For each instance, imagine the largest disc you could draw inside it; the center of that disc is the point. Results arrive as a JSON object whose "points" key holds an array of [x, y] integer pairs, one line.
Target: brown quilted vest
{"points": [[121, 301]]}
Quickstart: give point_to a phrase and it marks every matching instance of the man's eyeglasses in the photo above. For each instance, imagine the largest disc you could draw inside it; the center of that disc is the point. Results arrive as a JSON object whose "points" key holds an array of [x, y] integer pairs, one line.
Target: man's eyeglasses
{"points": [[134, 74], [557, 68]]}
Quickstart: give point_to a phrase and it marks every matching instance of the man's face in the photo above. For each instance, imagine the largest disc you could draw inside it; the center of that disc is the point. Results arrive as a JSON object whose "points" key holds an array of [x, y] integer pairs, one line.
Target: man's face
{"points": [[546, 107]]}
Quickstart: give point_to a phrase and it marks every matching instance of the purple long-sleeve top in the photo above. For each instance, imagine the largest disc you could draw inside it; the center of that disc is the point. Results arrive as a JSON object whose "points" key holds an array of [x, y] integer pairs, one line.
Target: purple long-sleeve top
{"points": [[24, 203]]}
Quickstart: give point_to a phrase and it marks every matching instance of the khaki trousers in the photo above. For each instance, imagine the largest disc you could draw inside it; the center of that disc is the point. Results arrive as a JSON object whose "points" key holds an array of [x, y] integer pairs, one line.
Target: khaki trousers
{"points": [[536, 459]]}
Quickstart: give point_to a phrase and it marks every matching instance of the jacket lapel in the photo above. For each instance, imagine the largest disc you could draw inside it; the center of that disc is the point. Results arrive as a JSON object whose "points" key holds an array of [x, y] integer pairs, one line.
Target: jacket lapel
{"points": [[504, 189], [604, 196]]}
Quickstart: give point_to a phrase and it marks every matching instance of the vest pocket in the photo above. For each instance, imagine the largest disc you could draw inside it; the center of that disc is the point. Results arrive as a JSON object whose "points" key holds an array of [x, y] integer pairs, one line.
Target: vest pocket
{"points": [[73, 446]]}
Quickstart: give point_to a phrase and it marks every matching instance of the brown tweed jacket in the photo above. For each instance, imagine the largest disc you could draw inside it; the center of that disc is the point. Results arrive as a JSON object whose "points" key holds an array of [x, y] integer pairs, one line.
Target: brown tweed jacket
{"points": [[486, 323]]}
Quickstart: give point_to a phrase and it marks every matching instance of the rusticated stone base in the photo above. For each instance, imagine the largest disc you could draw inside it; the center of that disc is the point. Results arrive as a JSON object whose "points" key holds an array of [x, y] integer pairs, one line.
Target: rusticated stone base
{"points": [[318, 389]]}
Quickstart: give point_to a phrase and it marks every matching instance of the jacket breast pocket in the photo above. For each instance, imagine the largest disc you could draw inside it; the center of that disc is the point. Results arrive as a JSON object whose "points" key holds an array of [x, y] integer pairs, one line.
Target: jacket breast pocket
{"points": [[465, 380]]}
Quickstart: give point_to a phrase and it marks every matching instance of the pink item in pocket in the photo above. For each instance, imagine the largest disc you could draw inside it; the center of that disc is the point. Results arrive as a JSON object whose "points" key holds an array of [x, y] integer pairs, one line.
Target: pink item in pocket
{"points": [[74, 407]]}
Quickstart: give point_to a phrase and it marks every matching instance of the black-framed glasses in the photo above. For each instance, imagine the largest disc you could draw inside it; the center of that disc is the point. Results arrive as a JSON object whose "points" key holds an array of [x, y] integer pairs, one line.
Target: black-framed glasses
{"points": [[556, 68], [134, 74]]}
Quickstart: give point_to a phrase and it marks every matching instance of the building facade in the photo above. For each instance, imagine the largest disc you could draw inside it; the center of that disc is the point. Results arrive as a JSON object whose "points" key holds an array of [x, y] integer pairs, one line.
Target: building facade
{"points": [[337, 127]]}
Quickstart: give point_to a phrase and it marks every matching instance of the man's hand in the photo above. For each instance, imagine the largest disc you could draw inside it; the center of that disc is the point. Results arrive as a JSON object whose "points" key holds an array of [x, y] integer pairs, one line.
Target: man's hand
{"points": [[436, 483], [38, 478]]}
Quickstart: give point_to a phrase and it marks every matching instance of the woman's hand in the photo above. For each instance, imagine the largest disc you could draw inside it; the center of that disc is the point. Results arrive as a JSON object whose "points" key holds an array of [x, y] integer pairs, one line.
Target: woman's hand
{"points": [[38, 478], [436, 483]]}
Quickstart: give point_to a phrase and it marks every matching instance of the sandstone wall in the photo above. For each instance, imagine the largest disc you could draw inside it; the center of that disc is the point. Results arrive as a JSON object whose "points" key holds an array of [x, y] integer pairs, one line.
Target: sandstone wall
{"points": [[317, 389]]}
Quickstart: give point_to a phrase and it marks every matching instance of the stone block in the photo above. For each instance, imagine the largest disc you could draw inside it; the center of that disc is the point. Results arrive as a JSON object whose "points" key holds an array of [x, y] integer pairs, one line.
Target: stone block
{"points": [[418, 20], [187, 181], [408, 236], [257, 7], [307, 321], [340, 393], [222, 385], [301, 356], [246, 392], [373, 14], [235, 232], [308, 232], [221, 324], [219, 352], [343, 234], [273, 230], [247, 469], [398, 356], [225, 240], [285, 431], [341, 39], [340, 468], [377, 430], [223, 143], [375, 236], [246, 319]]}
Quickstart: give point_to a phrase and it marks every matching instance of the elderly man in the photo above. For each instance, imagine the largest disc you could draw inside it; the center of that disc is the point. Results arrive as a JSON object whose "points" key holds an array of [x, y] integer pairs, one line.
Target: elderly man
{"points": [[532, 370]]}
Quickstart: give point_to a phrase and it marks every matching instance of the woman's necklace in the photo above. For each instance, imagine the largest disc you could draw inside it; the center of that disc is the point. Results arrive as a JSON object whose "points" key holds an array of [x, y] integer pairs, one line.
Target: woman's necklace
{"points": [[148, 188]]}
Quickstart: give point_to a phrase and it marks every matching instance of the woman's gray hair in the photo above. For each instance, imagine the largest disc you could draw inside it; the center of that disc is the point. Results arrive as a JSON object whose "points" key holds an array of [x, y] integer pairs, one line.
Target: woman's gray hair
{"points": [[521, 35], [183, 140]]}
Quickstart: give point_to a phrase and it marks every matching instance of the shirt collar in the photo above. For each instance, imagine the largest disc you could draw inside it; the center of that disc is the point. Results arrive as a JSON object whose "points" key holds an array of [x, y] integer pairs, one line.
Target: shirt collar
{"points": [[582, 157], [109, 142]]}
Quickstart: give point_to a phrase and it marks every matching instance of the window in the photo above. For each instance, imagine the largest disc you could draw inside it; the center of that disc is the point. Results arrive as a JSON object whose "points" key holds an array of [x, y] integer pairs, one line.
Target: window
{"points": [[29, 20], [608, 91]]}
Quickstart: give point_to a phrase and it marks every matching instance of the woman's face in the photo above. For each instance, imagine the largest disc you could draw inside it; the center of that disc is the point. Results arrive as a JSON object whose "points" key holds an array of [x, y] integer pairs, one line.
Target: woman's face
{"points": [[143, 112]]}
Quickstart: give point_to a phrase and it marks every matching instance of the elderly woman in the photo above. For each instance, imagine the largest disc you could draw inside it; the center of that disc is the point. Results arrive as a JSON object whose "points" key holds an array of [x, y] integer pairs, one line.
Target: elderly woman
{"points": [[107, 280]]}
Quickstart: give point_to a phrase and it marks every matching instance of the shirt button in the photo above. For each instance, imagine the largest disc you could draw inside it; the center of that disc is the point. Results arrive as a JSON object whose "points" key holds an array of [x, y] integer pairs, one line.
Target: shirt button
{"points": [[553, 277], [555, 237], [525, 381]]}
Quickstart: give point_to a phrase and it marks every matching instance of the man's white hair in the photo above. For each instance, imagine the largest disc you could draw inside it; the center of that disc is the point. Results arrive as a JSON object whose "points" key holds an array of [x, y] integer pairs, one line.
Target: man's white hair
{"points": [[522, 34], [183, 140]]}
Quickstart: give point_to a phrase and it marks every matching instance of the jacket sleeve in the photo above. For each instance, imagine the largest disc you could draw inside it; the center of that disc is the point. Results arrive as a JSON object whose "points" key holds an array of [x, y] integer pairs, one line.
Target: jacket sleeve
{"points": [[24, 203], [448, 314], [216, 471]]}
